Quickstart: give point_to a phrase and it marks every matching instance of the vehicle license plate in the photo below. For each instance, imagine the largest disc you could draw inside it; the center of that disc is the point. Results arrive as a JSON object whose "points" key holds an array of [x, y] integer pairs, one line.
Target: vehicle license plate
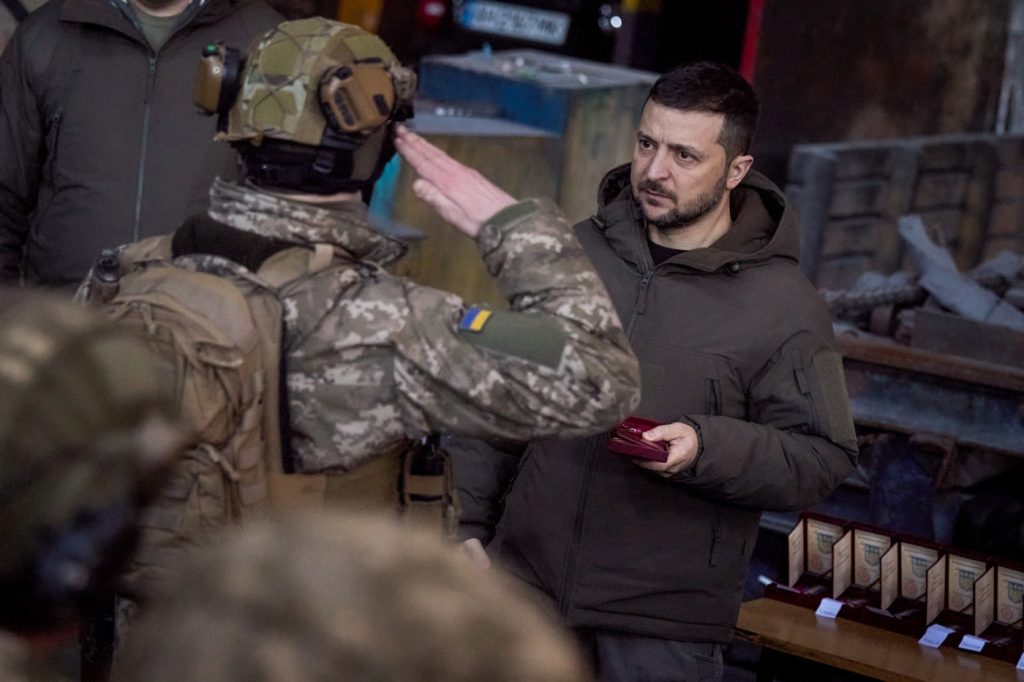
{"points": [[525, 23]]}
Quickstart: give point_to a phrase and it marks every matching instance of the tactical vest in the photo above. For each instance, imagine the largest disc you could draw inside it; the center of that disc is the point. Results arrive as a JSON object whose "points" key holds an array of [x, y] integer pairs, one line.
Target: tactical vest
{"points": [[217, 328]]}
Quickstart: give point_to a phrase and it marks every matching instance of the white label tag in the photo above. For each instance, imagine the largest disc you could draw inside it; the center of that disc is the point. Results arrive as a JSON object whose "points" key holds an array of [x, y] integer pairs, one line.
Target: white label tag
{"points": [[972, 643], [1020, 663], [828, 608], [934, 636]]}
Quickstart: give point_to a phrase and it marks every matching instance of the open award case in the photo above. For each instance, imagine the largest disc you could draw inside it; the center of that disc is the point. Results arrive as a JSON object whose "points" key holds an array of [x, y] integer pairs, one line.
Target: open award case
{"points": [[997, 610], [898, 584], [811, 574], [881, 580], [863, 587], [905, 584], [963, 569], [868, 581]]}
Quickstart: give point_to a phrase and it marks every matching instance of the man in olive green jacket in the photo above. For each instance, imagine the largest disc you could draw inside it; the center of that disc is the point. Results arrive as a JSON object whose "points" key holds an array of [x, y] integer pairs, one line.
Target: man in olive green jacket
{"points": [[99, 141], [646, 560]]}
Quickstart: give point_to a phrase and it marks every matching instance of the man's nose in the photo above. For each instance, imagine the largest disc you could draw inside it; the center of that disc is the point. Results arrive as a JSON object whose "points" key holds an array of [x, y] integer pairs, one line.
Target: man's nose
{"points": [[657, 168]]}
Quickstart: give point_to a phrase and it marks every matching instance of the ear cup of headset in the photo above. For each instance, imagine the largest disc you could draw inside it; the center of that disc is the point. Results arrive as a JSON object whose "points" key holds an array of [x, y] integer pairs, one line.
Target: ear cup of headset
{"points": [[357, 98], [218, 79], [233, 67]]}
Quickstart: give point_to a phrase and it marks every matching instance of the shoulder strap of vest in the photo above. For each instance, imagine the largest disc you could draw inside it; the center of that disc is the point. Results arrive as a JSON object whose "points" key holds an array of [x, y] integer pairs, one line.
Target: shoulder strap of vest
{"points": [[291, 264], [147, 250]]}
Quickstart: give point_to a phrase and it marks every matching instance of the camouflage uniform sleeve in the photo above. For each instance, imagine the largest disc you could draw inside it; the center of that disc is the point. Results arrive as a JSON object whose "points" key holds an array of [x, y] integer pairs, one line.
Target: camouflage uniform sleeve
{"points": [[557, 364]]}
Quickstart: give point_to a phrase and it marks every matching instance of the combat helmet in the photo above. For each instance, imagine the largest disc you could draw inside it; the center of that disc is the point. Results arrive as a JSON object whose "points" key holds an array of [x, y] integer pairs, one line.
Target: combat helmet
{"points": [[86, 434], [333, 597], [310, 106]]}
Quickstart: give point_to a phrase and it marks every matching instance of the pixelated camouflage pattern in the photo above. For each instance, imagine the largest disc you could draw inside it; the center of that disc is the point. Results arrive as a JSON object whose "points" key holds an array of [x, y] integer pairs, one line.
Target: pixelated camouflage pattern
{"points": [[278, 95], [321, 598], [75, 390], [270, 215], [373, 359]]}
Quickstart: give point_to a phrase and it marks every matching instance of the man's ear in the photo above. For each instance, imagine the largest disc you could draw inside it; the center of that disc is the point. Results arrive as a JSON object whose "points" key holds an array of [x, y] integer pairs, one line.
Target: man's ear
{"points": [[738, 168]]}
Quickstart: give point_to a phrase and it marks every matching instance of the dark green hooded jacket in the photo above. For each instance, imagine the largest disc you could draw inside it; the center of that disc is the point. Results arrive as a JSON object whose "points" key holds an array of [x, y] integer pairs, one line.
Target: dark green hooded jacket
{"points": [[100, 143], [731, 339]]}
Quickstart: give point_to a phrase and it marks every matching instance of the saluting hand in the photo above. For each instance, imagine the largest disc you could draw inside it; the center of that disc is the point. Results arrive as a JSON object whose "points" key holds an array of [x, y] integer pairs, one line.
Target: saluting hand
{"points": [[458, 193]]}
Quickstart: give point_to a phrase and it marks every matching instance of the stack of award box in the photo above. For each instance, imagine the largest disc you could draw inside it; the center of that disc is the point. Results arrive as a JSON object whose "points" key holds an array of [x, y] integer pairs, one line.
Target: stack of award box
{"points": [[906, 585]]}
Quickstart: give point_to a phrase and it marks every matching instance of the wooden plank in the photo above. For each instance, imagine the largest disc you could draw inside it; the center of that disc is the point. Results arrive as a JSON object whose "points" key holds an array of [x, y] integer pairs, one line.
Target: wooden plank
{"points": [[1010, 184], [945, 221], [940, 189], [860, 648], [978, 196], [946, 333], [898, 201], [865, 163], [812, 207], [1010, 149], [857, 197], [994, 246], [848, 236], [962, 185], [940, 155], [1007, 219]]}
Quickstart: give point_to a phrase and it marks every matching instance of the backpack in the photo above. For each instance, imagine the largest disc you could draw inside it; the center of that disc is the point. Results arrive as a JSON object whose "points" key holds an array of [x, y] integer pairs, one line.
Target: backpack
{"points": [[217, 330]]}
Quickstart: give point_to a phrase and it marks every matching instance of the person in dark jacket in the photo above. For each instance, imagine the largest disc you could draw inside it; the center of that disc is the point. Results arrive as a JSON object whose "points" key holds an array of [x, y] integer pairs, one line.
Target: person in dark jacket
{"points": [[99, 140], [647, 560]]}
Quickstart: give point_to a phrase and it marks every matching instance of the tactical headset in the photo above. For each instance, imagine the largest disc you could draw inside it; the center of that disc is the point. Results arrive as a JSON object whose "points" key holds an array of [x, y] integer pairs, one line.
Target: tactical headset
{"points": [[357, 101], [354, 98]]}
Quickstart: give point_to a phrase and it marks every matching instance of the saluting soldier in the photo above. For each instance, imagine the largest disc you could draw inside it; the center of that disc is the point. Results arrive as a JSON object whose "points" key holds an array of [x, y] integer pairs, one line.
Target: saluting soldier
{"points": [[371, 361]]}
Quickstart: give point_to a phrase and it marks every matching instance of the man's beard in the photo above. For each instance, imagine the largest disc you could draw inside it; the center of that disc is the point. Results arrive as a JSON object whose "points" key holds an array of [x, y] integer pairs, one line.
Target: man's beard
{"points": [[689, 213]]}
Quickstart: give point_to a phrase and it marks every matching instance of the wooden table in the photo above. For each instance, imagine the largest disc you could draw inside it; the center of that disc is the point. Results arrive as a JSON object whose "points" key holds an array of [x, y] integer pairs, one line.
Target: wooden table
{"points": [[860, 648]]}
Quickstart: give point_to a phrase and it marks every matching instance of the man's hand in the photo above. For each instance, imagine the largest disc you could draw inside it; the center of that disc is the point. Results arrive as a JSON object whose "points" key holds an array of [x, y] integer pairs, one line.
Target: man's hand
{"points": [[458, 193], [683, 445]]}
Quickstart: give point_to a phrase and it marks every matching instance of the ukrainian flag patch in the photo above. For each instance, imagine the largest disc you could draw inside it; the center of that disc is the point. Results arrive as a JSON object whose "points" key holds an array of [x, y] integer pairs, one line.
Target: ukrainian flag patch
{"points": [[474, 319]]}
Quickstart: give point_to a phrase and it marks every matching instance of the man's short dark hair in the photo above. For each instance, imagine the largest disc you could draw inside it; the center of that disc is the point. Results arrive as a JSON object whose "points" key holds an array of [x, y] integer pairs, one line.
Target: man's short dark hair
{"points": [[713, 88]]}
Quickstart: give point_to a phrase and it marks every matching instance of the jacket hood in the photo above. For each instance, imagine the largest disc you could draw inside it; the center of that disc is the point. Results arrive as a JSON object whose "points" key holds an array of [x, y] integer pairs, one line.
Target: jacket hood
{"points": [[764, 227], [346, 225]]}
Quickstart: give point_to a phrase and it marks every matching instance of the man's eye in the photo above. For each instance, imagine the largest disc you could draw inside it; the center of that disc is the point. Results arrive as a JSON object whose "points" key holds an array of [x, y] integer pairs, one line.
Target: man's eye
{"points": [[644, 144], [683, 156]]}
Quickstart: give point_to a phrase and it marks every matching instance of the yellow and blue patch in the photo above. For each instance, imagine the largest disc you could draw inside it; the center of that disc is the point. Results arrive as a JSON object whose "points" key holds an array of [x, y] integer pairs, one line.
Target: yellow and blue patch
{"points": [[474, 319]]}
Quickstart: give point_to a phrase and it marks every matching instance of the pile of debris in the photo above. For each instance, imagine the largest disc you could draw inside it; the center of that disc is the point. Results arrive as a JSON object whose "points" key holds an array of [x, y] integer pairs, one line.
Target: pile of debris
{"points": [[978, 314], [934, 364]]}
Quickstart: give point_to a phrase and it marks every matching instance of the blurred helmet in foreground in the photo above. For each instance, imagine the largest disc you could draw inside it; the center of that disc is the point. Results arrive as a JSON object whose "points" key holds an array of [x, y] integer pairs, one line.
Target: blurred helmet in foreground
{"points": [[345, 597], [86, 434]]}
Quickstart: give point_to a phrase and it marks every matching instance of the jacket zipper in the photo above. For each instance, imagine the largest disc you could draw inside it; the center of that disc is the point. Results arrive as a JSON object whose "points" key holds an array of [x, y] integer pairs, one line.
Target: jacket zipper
{"points": [[644, 260], [716, 536], [577, 532], [140, 181], [641, 303]]}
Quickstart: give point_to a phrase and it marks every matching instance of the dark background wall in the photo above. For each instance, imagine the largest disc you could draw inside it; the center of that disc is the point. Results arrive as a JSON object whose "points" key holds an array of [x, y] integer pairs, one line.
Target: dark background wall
{"points": [[871, 69]]}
